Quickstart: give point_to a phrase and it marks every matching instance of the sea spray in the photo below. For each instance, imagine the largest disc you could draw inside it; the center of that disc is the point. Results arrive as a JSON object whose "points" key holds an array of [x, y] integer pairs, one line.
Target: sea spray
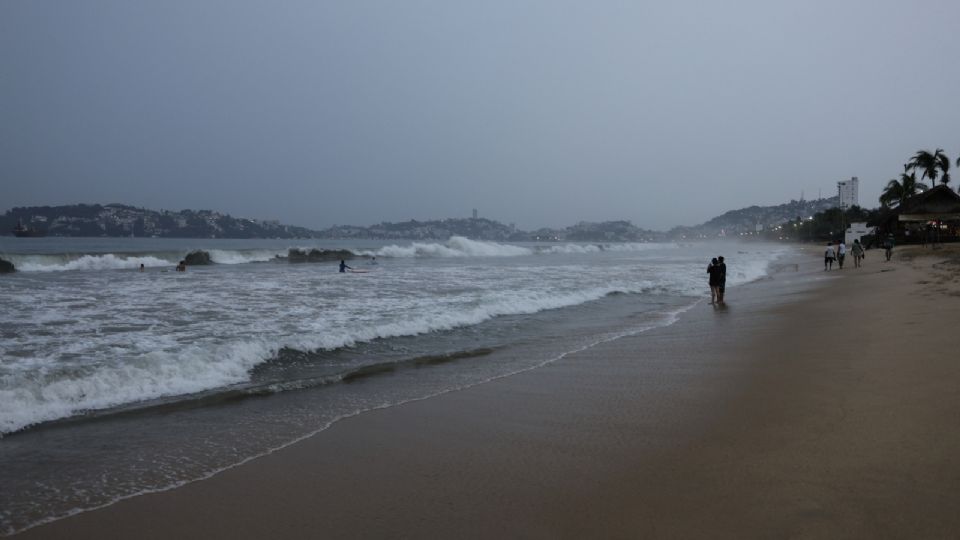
{"points": [[85, 341]]}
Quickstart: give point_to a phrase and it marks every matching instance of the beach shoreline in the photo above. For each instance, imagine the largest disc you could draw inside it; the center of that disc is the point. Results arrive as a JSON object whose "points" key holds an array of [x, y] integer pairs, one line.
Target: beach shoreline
{"points": [[792, 412]]}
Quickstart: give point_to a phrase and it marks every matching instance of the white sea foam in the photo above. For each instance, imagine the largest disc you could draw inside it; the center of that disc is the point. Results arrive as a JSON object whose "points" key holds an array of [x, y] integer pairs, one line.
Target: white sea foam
{"points": [[30, 396], [112, 261], [456, 246], [597, 248], [225, 256], [101, 340], [27, 397], [107, 261]]}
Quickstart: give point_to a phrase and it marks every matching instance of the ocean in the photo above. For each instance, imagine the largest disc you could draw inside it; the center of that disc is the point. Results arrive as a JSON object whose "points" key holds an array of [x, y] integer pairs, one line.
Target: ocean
{"points": [[116, 382]]}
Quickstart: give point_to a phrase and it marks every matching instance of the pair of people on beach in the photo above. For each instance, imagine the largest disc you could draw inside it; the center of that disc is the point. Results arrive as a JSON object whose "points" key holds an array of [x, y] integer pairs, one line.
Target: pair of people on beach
{"points": [[833, 254], [717, 270]]}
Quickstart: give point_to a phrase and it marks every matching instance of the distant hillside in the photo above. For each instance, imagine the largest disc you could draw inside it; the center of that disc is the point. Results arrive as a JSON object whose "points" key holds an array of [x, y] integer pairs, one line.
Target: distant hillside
{"points": [[485, 229], [748, 219], [437, 229], [122, 220]]}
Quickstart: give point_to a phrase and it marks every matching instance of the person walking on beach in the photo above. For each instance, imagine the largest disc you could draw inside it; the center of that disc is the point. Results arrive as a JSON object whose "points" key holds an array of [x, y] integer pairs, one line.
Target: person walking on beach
{"points": [[722, 285], [841, 254], [828, 256], [343, 266], [888, 245], [858, 253], [713, 270]]}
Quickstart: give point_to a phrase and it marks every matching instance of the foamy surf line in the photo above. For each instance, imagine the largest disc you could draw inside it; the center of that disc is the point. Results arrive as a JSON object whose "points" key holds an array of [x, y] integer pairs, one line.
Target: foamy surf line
{"points": [[455, 247], [458, 246], [29, 399], [666, 319], [65, 262]]}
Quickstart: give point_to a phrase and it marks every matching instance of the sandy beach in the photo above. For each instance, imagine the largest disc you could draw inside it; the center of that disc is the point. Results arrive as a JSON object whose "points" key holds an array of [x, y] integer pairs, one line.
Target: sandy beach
{"points": [[814, 405]]}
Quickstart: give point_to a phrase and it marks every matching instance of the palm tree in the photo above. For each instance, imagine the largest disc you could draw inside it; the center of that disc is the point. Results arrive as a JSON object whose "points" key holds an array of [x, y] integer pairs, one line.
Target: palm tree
{"points": [[899, 190], [932, 164], [958, 166], [944, 163]]}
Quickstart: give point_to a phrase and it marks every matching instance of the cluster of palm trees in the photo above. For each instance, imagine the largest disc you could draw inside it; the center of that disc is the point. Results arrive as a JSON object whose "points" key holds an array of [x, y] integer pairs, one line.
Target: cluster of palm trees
{"points": [[931, 165]]}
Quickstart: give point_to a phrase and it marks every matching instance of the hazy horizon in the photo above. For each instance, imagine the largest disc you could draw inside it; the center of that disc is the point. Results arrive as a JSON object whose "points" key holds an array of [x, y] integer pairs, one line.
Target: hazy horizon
{"points": [[541, 114]]}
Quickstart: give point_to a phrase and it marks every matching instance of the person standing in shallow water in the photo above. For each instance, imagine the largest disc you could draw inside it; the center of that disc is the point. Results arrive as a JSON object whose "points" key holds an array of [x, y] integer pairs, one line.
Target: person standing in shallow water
{"points": [[722, 280], [828, 256], [713, 270], [343, 266], [857, 251]]}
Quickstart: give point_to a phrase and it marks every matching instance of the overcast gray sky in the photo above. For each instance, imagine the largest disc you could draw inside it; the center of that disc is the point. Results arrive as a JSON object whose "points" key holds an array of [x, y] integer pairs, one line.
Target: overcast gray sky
{"points": [[539, 113]]}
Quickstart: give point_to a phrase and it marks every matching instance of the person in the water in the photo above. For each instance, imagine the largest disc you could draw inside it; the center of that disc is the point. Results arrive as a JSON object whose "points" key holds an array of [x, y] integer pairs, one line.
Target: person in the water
{"points": [[343, 266]]}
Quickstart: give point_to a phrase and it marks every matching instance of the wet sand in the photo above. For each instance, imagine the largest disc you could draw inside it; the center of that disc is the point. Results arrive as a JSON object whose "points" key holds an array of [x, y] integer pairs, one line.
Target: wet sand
{"points": [[815, 405]]}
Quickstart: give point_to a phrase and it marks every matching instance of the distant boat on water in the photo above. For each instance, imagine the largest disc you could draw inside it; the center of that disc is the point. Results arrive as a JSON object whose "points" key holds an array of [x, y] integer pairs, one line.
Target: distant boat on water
{"points": [[21, 231]]}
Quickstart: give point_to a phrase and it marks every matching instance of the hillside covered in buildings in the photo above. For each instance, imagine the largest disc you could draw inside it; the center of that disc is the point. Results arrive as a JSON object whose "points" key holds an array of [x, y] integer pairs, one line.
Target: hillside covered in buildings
{"points": [[95, 220], [485, 229], [120, 220], [755, 219]]}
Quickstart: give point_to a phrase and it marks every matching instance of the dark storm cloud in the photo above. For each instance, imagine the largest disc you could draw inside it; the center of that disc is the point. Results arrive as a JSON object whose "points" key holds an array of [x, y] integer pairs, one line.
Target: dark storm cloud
{"points": [[539, 113]]}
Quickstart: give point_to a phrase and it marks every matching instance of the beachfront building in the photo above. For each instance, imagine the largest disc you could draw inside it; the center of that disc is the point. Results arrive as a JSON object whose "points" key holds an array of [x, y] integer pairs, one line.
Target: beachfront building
{"points": [[849, 193], [933, 216], [856, 231]]}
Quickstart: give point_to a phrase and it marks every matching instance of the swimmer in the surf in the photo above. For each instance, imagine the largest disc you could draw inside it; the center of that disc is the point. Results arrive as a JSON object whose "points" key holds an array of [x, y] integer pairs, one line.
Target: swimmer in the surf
{"points": [[343, 266]]}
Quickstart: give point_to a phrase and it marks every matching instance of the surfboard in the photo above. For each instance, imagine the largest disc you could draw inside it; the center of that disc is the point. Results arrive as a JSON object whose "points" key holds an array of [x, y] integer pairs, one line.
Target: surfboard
{"points": [[358, 271]]}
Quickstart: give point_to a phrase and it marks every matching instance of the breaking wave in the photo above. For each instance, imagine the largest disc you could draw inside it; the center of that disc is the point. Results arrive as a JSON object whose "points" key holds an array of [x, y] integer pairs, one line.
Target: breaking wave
{"points": [[28, 398], [456, 246], [125, 261], [107, 261]]}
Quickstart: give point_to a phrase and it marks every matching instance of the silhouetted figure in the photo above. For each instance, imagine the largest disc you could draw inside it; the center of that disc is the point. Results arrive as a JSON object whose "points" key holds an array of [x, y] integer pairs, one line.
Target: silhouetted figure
{"points": [[888, 246], [722, 286], [713, 270], [858, 253]]}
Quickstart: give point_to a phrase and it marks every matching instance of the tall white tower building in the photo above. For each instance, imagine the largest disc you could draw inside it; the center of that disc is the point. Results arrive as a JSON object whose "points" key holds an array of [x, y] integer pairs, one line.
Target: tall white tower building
{"points": [[849, 192]]}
